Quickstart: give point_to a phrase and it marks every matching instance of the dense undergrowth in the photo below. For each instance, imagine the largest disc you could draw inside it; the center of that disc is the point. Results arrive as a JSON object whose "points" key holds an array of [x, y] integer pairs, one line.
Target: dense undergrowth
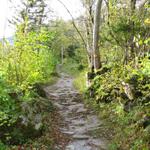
{"points": [[119, 91], [120, 95], [23, 66]]}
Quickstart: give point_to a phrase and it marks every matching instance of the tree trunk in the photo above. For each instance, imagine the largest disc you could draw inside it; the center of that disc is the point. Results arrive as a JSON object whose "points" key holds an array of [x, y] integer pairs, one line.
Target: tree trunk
{"points": [[96, 53], [89, 37], [132, 24], [62, 55]]}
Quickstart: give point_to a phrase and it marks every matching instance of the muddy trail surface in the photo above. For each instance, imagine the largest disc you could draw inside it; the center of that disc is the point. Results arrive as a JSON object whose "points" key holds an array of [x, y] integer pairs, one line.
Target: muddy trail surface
{"points": [[79, 123]]}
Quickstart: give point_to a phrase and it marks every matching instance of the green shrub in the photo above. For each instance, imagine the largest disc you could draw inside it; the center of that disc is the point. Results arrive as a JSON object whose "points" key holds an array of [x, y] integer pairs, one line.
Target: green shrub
{"points": [[29, 61], [110, 100]]}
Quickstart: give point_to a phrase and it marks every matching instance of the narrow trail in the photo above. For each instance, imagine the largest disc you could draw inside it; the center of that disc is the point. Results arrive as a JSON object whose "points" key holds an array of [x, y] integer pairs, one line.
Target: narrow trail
{"points": [[79, 122]]}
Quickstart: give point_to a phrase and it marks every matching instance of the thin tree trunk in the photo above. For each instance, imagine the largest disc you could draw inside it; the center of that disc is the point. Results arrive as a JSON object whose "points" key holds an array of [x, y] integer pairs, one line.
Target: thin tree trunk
{"points": [[96, 53], [132, 23], [89, 37], [86, 42], [62, 55], [73, 22]]}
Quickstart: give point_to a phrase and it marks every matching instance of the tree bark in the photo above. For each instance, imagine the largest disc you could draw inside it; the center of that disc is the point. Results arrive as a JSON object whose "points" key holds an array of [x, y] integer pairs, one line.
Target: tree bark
{"points": [[132, 24], [96, 29], [89, 31], [62, 55]]}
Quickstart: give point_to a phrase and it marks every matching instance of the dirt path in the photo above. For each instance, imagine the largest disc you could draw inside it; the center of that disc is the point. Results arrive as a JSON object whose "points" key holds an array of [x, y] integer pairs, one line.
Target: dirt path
{"points": [[79, 122]]}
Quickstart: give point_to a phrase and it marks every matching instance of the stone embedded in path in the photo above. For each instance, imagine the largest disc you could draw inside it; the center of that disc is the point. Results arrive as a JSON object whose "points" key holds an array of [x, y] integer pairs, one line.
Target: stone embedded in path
{"points": [[68, 132], [81, 137], [78, 122], [70, 147], [58, 106], [98, 143], [82, 110]]}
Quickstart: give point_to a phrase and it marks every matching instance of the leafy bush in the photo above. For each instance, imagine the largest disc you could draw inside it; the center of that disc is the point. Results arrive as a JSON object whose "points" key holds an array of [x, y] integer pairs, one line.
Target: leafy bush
{"points": [[129, 118], [29, 61], [7, 104], [2, 146]]}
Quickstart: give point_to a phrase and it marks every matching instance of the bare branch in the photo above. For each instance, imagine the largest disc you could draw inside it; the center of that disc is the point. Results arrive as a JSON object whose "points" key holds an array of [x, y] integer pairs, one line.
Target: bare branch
{"points": [[143, 4], [73, 22]]}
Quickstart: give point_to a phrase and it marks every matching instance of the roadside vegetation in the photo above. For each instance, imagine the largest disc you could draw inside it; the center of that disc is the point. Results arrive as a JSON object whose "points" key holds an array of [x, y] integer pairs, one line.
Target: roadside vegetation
{"points": [[119, 90], [111, 67], [23, 66]]}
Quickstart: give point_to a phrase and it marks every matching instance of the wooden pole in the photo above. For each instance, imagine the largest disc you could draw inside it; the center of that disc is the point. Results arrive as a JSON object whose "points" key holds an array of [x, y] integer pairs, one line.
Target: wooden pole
{"points": [[62, 55]]}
